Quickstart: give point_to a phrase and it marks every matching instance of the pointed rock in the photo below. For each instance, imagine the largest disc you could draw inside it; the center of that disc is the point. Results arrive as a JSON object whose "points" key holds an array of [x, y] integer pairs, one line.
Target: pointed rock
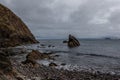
{"points": [[73, 42]]}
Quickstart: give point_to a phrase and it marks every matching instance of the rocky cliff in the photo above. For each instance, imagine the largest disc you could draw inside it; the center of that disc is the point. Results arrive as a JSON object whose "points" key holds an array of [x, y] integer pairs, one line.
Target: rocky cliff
{"points": [[12, 30]]}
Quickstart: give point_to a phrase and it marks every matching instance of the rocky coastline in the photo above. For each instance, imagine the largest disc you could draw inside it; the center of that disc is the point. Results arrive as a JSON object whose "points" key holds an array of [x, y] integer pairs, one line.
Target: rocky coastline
{"points": [[21, 64], [30, 71]]}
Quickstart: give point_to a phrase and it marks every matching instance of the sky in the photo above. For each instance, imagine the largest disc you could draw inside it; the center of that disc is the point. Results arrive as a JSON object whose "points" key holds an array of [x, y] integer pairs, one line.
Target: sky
{"points": [[59, 18]]}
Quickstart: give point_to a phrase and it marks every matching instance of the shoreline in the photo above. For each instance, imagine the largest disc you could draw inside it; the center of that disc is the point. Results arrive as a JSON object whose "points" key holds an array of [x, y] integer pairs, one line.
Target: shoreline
{"points": [[51, 73], [42, 72]]}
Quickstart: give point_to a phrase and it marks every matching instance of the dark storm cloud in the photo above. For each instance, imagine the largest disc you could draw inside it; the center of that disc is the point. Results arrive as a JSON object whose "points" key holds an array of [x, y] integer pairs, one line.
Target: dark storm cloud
{"points": [[58, 18]]}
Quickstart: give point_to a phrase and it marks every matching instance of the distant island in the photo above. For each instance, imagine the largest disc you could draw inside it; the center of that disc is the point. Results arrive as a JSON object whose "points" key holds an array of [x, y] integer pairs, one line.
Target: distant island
{"points": [[111, 38]]}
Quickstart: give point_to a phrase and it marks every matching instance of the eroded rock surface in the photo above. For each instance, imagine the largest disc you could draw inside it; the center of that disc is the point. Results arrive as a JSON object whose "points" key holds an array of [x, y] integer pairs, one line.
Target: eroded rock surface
{"points": [[73, 42], [35, 55], [12, 30]]}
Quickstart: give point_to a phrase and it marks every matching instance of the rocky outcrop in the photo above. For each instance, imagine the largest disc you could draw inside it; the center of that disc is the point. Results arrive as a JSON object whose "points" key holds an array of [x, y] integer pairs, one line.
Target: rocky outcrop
{"points": [[35, 55], [12, 30], [5, 64], [73, 42]]}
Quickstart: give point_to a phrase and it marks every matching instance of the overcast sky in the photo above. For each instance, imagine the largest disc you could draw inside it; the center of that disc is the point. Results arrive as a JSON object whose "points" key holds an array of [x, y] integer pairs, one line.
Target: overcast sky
{"points": [[58, 18]]}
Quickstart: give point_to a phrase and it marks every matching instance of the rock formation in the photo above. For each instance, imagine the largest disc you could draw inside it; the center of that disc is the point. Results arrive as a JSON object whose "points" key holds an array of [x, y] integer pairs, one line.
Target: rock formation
{"points": [[35, 55], [73, 42], [12, 30], [5, 64]]}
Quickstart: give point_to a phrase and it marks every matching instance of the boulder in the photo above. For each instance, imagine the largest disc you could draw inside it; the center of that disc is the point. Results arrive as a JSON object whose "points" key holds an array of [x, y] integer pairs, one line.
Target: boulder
{"points": [[73, 42], [52, 64], [12, 29], [65, 41], [35, 55]]}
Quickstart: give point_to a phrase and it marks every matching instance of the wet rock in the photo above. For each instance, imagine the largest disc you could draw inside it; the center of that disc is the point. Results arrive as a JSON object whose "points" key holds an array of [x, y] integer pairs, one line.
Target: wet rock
{"points": [[52, 64], [56, 55], [48, 53], [49, 45], [35, 55], [38, 46], [63, 64], [53, 46], [42, 45], [73, 42], [65, 41]]}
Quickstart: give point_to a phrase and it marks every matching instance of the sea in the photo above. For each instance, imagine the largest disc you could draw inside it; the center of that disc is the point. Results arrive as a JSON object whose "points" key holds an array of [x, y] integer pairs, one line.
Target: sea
{"points": [[92, 54]]}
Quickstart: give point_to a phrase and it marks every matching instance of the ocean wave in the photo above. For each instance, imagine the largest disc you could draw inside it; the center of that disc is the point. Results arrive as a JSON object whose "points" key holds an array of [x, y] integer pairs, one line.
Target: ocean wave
{"points": [[89, 54], [97, 55]]}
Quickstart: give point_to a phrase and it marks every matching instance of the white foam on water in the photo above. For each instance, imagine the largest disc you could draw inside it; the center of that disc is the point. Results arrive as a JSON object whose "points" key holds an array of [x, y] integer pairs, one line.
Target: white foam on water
{"points": [[44, 62]]}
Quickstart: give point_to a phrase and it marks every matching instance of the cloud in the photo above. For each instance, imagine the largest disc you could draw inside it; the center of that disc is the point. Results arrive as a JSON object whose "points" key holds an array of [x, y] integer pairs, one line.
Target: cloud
{"points": [[58, 18]]}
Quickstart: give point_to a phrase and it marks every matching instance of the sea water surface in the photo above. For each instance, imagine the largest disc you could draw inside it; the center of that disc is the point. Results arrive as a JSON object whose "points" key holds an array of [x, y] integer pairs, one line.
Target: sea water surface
{"points": [[94, 54]]}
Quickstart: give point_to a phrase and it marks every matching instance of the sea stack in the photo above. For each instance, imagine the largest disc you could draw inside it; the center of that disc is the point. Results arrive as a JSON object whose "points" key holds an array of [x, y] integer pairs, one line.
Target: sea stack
{"points": [[13, 31], [73, 42]]}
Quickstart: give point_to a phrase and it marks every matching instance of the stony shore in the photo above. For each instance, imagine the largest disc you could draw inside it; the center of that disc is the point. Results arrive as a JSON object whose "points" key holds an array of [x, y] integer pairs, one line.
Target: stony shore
{"points": [[41, 72], [48, 73]]}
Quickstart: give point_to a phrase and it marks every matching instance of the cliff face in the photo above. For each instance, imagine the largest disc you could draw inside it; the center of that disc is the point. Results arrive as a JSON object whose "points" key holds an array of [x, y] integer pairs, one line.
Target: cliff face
{"points": [[12, 30]]}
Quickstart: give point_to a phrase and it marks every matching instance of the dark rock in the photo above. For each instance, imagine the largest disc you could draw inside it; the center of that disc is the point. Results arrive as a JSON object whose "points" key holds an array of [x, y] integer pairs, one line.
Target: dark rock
{"points": [[53, 46], [2, 77], [52, 64], [42, 45], [4, 53], [56, 55], [63, 64], [9, 52], [65, 41], [12, 30], [87, 79], [5, 64], [19, 78], [38, 46], [49, 45], [73, 42]]}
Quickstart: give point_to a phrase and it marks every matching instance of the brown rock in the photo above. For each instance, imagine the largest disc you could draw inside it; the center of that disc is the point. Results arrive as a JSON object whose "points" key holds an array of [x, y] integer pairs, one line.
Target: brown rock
{"points": [[12, 30], [33, 56]]}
